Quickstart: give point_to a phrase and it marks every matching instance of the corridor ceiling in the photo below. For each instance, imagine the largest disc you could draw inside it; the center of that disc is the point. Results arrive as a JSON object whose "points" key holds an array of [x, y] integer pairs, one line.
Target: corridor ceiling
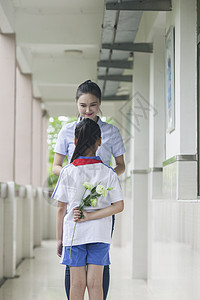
{"points": [[63, 43], [58, 43]]}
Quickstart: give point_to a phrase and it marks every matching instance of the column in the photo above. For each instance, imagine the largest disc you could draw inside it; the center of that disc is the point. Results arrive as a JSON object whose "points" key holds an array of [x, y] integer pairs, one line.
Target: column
{"points": [[118, 122], [7, 137], [37, 170], [7, 103], [1, 234], [45, 205], [28, 223], [44, 150], [180, 170], [10, 232], [23, 141], [140, 164], [157, 113], [156, 129], [38, 216], [23, 156], [37, 143]]}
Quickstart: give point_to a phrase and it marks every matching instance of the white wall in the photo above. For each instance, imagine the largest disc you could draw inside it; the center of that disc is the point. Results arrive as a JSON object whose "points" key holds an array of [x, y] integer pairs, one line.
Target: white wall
{"points": [[173, 209], [183, 140]]}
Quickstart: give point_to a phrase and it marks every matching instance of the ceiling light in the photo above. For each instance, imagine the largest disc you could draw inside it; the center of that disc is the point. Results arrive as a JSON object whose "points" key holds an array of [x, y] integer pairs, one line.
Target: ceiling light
{"points": [[73, 52]]}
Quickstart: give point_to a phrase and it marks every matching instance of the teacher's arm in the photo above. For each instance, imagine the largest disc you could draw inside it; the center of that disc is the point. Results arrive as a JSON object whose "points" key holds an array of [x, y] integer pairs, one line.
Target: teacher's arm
{"points": [[120, 165], [57, 163]]}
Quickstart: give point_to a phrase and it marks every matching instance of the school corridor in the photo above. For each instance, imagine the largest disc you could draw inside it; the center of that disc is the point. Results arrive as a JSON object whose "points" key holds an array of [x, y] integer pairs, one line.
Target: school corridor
{"points": [[144, 55], [41, 278]]}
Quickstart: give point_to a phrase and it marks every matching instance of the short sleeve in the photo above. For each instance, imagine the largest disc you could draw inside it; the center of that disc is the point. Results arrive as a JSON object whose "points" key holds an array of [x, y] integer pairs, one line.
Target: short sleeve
{"points": [[116, 193], [61, 144], [117, 144], [60, 191]]}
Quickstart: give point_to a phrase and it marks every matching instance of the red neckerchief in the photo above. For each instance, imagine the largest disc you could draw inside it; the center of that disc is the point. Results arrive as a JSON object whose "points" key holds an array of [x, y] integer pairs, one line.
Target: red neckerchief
{"points": [[85, 161]]}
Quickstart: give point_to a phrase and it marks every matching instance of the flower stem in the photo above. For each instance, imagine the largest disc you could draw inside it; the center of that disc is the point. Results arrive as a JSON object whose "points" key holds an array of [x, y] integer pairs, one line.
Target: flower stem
{"points": [[72, 240]]}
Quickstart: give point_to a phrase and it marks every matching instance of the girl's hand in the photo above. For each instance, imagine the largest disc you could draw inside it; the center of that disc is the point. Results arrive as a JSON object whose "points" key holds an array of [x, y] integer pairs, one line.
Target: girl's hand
{"points": [[77, 215], [59, 248]]}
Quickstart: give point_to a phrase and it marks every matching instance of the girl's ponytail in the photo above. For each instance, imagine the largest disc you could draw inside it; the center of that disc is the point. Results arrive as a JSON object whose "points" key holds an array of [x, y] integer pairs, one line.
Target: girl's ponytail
{"points": [[87, 132]]}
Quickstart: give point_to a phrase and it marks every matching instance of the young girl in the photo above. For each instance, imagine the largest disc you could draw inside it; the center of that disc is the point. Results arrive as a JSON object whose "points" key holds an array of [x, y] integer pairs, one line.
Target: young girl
{"points": [[92, 237], [88, 99]]}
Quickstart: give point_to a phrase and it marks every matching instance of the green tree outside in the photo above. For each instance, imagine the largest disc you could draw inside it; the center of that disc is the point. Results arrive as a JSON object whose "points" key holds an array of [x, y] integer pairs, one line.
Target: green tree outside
{"points": [[54, 127]]}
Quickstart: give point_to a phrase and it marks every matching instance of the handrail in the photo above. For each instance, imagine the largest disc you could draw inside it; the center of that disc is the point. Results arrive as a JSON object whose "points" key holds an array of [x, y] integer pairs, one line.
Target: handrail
{"points": [[20, 191], [180, 157], [3, 190], [34, 192]]}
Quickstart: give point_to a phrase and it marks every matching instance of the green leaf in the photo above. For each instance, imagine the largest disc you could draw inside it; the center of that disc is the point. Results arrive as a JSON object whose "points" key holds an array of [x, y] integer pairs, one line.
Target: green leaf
{"points": [[93, 190], [110, 188]]}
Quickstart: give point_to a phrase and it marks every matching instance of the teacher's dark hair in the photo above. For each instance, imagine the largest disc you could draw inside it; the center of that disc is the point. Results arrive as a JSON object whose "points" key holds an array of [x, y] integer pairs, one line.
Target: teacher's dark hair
{"points": [[87, 132], [88, 87]]}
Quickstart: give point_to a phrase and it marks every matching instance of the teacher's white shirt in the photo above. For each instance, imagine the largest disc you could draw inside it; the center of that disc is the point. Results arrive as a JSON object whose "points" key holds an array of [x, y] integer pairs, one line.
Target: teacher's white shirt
{"points": [[112, 142]]}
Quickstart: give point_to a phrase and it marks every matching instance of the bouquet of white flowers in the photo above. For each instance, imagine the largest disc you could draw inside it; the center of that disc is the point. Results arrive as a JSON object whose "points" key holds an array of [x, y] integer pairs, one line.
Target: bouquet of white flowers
{"points": [[90, 200]]}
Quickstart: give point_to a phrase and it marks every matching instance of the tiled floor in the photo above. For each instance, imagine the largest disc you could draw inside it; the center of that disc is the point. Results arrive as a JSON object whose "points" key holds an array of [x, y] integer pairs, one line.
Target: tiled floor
{"points": [[42, 278]]}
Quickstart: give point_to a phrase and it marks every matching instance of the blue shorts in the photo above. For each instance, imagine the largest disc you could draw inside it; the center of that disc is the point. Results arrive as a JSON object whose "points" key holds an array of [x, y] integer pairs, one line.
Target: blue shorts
{"points": [[81, 255]]}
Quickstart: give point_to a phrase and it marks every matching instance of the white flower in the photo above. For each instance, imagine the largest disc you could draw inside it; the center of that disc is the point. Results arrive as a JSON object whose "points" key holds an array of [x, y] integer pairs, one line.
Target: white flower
{"points": [[100, 189], [93, 201], [87, 185]]}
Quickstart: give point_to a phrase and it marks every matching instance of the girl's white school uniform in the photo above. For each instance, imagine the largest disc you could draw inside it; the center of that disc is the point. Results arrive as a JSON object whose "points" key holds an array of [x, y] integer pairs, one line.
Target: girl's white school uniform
{"points": [[70, 190], [112, 142]]}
